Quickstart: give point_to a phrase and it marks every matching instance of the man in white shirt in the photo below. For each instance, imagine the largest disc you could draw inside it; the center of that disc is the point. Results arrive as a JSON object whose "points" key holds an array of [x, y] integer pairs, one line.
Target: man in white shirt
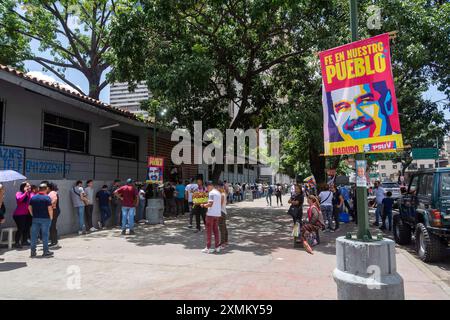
{"points": [[379, 194], [214, 206], [89, 209], [189, 191]]}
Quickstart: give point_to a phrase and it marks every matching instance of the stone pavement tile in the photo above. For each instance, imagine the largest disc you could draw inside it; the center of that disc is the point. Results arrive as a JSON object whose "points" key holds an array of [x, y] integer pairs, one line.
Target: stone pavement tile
{"points": [[166, 263]]}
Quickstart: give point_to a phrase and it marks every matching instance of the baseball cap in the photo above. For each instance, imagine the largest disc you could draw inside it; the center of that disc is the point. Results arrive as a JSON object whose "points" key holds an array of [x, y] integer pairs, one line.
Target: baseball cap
{"points": [[209, 183], [129, 181]]}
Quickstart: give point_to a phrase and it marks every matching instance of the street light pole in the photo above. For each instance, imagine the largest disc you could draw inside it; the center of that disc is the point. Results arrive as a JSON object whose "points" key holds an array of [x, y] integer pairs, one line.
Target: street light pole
{"points": [[361, 192]]}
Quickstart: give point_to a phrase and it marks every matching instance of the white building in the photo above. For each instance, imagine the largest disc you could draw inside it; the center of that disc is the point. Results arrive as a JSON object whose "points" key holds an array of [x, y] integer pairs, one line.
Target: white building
{"points": [[121, 97]]}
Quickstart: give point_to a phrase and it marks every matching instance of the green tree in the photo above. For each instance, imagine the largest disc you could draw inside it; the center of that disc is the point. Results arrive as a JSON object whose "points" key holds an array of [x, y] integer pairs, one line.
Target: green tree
{"points": [[419, 61], [76, 33], [202, 58]]}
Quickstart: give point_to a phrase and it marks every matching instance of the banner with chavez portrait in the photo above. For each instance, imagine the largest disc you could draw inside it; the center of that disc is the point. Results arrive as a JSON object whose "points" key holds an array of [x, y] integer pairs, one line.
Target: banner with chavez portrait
{"points": [[359, 103]]}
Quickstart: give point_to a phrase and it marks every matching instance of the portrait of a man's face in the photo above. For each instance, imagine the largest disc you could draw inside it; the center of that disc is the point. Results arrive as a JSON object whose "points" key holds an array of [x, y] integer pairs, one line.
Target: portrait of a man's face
{"points": [[361, 172], [153, 173], [359, 112]]}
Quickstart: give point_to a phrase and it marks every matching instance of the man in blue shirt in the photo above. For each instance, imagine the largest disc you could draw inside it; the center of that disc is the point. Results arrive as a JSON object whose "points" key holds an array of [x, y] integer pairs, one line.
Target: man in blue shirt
{"points": [[104, 200], [180, 189], [41, 210], [388, 203]]}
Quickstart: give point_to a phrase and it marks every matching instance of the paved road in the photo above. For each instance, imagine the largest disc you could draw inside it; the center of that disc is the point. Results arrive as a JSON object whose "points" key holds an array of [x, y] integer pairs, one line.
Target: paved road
{"points": [[165, 262]]}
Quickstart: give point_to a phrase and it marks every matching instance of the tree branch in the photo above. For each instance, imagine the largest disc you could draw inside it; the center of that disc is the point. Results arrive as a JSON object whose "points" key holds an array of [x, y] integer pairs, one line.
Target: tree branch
{"points": [[276, 61], [62, 77]]}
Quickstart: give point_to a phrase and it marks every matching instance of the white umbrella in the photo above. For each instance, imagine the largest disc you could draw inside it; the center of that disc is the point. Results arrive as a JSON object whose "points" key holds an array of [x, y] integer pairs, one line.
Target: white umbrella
{"points": [[10, 175]]}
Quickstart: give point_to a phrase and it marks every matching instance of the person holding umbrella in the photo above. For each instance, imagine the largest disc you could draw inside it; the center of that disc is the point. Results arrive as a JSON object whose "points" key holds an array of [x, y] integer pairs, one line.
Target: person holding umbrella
{"points": [[2, 204]]}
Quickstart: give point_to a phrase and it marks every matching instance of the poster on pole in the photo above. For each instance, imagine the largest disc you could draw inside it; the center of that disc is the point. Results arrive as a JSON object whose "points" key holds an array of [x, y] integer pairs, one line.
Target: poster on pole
{"points": [[358, 98], [155, 170], [361, 178]]}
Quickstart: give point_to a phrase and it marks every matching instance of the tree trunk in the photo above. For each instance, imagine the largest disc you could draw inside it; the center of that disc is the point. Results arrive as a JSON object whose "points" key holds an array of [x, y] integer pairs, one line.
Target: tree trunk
{"points": [[218, 169], [317, 164], [94, 84]]}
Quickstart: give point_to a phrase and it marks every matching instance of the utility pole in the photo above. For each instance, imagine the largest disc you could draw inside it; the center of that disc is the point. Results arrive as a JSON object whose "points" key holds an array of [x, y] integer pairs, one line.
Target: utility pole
{"points": [[361, 192]]}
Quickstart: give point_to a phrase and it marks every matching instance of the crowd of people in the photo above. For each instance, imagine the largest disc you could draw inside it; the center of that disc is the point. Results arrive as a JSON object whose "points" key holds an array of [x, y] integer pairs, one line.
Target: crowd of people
{"points": [[123, 205]]}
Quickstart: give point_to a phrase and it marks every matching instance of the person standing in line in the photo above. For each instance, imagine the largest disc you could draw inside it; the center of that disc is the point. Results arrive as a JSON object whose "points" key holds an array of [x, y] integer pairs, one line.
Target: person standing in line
{"points": [[21, 215], [326, 206], [141, 208], [387, 204], [104, 200], [379, 195], [198, 210], [116, 205], [169, 197], [89, 209], [180, 190], [230, 193], [54, 197], [338, 206], [79, 201], [214, 207], [2, 204], [41, 210], [223, 230], [189, 191], [269, 195], [129, 198], [278, 192]]}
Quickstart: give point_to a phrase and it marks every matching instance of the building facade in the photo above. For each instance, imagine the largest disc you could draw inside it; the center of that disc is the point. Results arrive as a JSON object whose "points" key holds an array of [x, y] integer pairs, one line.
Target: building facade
{"points": [[121, 97]]}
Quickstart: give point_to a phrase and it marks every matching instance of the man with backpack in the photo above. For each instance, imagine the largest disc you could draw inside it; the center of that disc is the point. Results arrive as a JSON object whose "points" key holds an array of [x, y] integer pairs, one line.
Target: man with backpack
{"points": [[269, 195]]}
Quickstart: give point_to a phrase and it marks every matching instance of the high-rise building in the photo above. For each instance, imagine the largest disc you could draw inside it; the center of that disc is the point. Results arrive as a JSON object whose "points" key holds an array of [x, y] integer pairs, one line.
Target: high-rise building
{"points": [[121, 97]]}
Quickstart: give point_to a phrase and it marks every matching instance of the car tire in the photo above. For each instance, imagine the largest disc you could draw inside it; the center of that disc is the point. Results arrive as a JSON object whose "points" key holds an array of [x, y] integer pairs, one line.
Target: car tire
{"points": [[429, 247], [402, 232]]}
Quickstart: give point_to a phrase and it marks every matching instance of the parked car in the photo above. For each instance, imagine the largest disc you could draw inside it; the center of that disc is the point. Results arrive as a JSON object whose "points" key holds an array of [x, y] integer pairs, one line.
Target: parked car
{"points": [[424, 211], [393, 187]]}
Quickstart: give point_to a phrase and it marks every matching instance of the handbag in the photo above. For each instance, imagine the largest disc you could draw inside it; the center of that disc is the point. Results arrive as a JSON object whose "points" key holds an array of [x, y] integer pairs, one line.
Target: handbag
{"points": [[293, 211]]}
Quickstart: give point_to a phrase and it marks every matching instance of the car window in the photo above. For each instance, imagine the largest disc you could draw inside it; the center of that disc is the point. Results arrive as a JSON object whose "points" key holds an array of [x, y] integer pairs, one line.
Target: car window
{"points": [[445, 184], [413, 185], [426, 185]]}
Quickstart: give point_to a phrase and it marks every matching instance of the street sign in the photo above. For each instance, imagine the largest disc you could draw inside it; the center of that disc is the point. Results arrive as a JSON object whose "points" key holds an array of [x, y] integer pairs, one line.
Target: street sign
{"points": [[425, 153]]}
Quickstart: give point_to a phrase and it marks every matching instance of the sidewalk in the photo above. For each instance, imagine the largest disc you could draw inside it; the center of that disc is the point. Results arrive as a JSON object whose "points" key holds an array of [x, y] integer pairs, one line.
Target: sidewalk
{"points": [[165, 262]]}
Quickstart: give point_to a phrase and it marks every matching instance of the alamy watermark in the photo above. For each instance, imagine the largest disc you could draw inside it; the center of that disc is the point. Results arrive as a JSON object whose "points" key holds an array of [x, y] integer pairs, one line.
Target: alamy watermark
{"points": [[252, 146]]}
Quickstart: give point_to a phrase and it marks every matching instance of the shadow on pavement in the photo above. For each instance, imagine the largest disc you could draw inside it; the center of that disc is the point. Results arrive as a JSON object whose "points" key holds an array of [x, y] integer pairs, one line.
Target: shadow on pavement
{"points": [[8, 266], [259, 230]]}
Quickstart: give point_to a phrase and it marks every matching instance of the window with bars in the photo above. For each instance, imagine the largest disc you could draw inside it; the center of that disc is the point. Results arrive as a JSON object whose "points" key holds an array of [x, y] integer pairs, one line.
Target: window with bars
{"points": [[65, 134], [124, 145]]}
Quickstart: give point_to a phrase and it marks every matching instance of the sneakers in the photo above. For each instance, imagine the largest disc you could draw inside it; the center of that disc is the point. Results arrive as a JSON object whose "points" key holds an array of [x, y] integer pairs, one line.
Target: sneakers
{"points": [[80, 233], [218, 249], [92, 229], [33, 254], [131, 232], [124, 232], [47, 254], [100, 226], [208, 251], [53, 244], [190, 226]]}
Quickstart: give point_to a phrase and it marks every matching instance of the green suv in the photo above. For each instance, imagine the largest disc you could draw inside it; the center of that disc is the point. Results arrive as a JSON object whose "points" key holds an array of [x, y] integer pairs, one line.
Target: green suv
{"points": [[425, 212]]}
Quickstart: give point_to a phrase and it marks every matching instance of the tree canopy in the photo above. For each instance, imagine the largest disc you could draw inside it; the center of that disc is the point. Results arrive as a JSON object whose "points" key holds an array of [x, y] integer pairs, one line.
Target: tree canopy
{"points": [[74, 32]]}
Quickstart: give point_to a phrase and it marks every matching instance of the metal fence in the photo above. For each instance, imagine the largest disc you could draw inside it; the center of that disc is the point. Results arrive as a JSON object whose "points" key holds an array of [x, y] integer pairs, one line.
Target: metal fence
{"points": [[38, 164]]}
